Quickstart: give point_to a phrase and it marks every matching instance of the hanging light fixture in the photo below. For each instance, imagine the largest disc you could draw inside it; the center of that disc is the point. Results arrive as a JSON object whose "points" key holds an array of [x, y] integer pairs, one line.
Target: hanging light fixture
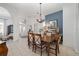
{"points": [[41, 16]]}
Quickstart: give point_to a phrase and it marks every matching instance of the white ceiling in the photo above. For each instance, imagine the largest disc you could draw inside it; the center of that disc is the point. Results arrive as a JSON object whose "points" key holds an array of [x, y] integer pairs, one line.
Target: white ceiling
{"points": [[32, 9], [4, 12]]}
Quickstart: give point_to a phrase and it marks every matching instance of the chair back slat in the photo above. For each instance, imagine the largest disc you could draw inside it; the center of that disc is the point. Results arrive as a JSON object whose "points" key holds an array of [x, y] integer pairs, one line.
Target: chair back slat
{"points": [[30, 36], [37, 38]]}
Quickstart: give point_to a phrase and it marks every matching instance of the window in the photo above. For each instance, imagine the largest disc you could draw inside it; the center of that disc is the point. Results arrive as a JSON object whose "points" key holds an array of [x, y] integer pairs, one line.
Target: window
{"points": [[22, 28], [1, 27]]}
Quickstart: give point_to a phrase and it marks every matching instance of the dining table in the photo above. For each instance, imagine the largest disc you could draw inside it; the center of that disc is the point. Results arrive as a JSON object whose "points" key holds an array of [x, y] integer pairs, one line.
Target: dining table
{"points": [[48, 39]]}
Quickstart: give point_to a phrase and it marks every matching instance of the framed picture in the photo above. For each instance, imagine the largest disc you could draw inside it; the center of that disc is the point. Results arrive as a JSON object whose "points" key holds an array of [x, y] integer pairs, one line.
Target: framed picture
{"points": [[53, 24]]}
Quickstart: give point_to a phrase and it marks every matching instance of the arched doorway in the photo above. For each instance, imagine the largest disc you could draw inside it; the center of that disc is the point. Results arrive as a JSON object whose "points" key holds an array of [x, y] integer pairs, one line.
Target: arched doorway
{"points": [[6, 23]]}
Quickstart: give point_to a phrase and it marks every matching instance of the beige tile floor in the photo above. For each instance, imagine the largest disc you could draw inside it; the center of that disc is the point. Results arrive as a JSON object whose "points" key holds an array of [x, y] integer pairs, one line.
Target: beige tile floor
{"points": [[20, 48]]}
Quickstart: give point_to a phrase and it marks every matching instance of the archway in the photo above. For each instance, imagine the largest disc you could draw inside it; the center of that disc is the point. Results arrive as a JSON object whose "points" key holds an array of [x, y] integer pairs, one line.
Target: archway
{"points": [[6, 23]]}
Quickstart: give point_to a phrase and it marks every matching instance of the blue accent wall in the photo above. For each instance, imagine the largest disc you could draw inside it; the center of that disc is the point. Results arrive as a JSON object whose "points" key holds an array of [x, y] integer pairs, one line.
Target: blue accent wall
{"points": [[58, 16]]}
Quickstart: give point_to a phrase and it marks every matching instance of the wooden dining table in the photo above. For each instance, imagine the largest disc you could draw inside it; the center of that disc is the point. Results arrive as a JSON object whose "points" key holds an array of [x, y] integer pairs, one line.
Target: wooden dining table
{"points": [[48, 39]]}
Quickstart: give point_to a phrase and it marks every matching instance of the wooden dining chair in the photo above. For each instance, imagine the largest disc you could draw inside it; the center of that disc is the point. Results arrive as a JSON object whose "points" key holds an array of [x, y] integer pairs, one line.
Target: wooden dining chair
{"points": [[48, 40], [31, 40], [39, 43], [52, 38], [56, 39]]}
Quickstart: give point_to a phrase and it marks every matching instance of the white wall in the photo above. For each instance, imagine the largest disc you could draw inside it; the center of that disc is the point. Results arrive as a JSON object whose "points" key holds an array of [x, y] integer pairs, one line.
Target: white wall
{"points": [[69, 25], [77, 29]]}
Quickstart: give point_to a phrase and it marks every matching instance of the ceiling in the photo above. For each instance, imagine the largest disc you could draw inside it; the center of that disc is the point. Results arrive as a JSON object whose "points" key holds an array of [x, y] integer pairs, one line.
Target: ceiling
{"points": [[4, 13], [32, 9]]}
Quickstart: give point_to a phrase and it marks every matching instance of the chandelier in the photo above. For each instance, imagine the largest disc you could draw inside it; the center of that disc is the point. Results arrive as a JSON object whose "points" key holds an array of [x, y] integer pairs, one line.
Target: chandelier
{"points": [[41, 17]]}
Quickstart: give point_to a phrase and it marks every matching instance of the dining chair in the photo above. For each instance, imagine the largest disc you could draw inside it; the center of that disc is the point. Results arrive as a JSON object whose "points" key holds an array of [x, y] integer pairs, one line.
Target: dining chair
{"points": [[31, 40], [55, 39], [38, 42], [47, 38], [52, 38]]}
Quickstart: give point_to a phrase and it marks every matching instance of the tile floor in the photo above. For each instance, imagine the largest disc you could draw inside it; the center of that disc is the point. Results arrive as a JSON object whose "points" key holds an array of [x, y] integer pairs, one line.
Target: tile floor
{"points": [[20, 48]]}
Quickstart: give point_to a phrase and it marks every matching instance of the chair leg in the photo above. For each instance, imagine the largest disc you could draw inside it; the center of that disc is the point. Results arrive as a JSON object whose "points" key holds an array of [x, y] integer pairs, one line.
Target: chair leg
{"points": [[35, 48], [28, 43], [48, 48], [56, 49], [41, 50]]}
